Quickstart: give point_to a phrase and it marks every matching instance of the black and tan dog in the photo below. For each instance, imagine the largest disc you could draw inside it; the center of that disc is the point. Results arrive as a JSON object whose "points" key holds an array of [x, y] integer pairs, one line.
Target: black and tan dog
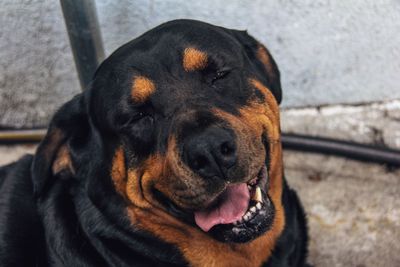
{"points": [[172, 157]]}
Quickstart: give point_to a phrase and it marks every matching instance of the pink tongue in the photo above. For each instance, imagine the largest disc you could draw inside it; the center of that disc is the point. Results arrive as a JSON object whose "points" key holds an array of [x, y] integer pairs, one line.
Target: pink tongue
{"points": [[235, 201]]}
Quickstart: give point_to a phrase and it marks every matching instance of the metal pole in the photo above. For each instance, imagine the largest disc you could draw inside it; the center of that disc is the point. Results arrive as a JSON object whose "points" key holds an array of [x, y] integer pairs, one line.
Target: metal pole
{"points": [[21, 136], [85, 38]]}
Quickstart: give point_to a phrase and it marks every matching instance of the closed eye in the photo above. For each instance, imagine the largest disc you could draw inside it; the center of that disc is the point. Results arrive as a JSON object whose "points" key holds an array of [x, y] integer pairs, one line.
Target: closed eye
{"points": [[126, 120], [219, 75], [138, 116], [133, 116]]}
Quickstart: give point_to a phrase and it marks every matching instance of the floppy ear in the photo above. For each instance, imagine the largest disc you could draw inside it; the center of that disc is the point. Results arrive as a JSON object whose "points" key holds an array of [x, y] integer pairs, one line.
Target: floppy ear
{"points": [[55, 154], [262, 60]]}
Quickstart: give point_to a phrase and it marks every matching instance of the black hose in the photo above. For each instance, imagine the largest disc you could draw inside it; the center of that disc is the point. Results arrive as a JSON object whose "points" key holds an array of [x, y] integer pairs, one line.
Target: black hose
{"points": [[341, 148]]}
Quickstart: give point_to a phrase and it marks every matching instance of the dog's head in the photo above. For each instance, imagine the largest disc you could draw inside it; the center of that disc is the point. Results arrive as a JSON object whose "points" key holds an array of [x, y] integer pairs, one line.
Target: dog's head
{"points": [[183, 122]]}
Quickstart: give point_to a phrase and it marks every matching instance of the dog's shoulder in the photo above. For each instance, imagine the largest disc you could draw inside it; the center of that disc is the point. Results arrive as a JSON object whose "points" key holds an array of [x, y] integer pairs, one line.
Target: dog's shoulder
{"points": [[15, 181], [20, 234]]}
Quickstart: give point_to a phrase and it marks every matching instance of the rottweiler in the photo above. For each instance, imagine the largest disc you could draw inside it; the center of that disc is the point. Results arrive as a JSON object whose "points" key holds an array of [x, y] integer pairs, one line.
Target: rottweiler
{"points": [[171, 157]]}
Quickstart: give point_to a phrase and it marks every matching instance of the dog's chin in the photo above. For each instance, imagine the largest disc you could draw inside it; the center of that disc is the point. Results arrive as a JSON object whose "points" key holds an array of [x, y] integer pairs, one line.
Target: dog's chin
{"points": [[241, 213]]}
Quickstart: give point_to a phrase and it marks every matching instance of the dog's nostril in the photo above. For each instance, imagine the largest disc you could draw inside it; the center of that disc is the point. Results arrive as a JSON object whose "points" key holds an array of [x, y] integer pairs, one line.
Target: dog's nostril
{"points": [[226, 157], [199, 163], [227, 148]]}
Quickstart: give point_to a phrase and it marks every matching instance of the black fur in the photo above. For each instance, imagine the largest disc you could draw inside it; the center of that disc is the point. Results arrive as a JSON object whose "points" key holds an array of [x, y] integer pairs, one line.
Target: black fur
{"points": [[75, 217]]}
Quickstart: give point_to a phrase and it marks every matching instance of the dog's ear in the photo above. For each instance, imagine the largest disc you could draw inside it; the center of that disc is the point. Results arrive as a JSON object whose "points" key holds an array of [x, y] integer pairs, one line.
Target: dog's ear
{"points": [[68, 131], [262, 60]]}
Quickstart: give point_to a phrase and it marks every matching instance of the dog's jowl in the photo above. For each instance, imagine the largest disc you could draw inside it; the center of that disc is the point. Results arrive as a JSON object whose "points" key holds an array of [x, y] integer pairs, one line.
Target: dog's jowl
{"points": [[172, 157]]}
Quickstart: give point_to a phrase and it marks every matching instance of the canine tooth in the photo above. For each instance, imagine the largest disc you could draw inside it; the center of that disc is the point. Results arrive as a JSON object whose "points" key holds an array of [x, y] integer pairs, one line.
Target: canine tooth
{"points": [[253, 209], [249, 187], [258, 205], [253, 181], [257, 195], [246, 217]]}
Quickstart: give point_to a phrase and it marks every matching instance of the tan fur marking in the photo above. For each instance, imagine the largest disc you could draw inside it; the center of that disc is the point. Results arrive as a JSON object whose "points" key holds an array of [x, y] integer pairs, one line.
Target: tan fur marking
{"points": [[118, 171], [267, 115], [142, 89], [55, 137], [194, 59], [265, 58], [62, 161]]}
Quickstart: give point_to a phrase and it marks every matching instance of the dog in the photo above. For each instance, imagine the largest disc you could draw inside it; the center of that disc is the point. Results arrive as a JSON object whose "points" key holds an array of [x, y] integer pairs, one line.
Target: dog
{"points": [[171, 157]]}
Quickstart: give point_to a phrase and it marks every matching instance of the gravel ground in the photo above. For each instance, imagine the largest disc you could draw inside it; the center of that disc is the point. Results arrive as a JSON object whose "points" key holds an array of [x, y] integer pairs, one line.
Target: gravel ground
{"points": [[353, 208]]}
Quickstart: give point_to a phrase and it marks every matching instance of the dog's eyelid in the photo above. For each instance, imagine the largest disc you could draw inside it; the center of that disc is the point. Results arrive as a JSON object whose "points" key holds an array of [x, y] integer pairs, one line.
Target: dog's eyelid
{"points": [[140, 106], [134, 113], [221, 73], [140, 115], [134, 118]]}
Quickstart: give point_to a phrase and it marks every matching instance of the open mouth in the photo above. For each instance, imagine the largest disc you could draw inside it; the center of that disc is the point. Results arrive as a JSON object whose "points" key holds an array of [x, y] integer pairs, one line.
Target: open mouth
{"points": [[240, 213]]}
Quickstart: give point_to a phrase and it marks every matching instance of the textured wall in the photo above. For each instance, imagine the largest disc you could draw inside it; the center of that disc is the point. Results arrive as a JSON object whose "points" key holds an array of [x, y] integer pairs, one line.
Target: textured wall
{"points": [[36, 66], [329, 52]]}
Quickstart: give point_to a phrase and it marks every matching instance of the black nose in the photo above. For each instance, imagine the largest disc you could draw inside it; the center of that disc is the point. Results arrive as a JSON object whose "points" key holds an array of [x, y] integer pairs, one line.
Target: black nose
{"points": [[211, 152]]}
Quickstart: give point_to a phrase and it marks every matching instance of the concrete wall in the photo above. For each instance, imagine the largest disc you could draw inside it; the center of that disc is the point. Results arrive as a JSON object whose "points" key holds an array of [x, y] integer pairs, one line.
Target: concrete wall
{"points": [[329, 52]]}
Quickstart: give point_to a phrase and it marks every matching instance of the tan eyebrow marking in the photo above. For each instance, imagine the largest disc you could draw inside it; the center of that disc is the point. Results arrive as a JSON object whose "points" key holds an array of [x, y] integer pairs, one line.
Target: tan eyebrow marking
{"points": [[142, 89], [194, 59]]}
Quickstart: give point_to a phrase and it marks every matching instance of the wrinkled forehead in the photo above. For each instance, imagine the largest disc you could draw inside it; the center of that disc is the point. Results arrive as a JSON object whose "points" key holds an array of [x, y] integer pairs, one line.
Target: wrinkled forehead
{"points": [[177, 52], [168, 64], [164, 45]]}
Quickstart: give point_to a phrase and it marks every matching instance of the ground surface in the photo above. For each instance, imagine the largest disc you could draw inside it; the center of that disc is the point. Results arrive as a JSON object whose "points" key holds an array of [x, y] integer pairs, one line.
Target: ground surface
{"points": [[353, 208]]}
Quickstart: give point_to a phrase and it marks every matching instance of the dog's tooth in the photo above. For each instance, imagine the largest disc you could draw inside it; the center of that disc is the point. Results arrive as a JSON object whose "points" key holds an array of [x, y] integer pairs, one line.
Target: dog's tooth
{"points": [[246, 217], [258, 205], [253, 209], [249, 187], [257, 196]]}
